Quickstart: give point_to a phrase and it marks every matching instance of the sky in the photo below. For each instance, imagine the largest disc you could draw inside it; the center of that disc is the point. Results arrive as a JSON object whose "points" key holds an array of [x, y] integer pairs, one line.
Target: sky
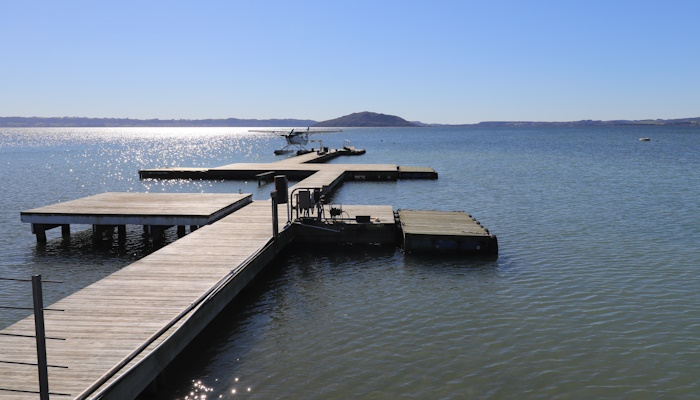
{"points": [[433, 61]]}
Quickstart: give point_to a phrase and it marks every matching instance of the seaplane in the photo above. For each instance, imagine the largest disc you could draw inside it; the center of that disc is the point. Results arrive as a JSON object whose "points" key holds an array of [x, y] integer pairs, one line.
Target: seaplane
{"points": [[297, 139]]}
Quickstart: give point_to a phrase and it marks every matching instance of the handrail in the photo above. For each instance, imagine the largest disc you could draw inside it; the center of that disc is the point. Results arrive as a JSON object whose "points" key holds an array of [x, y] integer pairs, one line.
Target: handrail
{"points": [[28, 280]]}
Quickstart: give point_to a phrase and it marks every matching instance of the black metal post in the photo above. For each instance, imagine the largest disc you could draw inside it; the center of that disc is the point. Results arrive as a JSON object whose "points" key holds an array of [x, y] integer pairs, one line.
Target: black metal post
{"points": [[273, 196], [40, 337]]}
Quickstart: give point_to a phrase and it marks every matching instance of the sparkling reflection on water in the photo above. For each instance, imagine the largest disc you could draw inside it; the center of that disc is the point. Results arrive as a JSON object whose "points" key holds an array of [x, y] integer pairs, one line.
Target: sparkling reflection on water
{"points": [[595, 293]]}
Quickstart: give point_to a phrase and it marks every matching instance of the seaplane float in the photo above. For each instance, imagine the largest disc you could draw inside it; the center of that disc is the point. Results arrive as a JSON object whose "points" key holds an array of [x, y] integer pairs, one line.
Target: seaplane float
{"points": [[297, 139]]}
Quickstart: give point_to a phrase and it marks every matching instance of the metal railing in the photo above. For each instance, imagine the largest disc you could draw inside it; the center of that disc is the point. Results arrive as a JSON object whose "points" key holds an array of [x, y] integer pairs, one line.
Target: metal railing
{"points": [[40, 336]]}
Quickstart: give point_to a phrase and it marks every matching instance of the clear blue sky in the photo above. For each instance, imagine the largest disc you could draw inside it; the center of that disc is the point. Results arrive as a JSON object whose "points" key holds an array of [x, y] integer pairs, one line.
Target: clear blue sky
{"points": [[432, 61]]}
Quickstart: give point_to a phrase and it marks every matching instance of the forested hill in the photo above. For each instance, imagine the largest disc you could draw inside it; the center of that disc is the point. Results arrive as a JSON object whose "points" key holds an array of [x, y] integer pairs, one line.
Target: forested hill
{"points": [[365, 119]]}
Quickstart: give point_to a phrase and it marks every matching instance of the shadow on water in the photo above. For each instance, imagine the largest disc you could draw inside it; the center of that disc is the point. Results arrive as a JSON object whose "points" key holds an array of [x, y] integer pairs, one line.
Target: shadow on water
{"points": [[437, 262], [228, 337], [218, 354], [232, 335]]}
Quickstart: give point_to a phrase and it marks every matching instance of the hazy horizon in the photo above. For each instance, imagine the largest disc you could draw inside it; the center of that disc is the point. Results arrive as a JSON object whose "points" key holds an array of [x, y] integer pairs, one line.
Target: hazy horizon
{"points": [[308, 119]]}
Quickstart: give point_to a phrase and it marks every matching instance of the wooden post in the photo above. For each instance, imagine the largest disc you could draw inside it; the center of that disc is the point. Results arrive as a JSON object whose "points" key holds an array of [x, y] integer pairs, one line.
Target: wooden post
{"points": [[121, 232], [40, 231], [65, 230], [158, 232], [180, 231], [40, 337]]}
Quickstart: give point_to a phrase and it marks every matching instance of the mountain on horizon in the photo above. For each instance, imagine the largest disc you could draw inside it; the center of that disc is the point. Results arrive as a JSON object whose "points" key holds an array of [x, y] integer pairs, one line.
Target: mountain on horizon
{"points": [[365, 119]]}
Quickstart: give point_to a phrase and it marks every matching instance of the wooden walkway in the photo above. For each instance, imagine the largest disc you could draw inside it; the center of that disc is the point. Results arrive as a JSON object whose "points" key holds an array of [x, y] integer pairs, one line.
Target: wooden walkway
{"points": [[325, 180], [148, 209], [105, 322]]}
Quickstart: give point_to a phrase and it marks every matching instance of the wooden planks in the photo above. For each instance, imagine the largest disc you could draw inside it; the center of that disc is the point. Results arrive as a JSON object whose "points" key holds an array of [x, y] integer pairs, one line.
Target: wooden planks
{"points": [[139, 209], [326, 179], [445, 231], [107, 320], [456, 223]]}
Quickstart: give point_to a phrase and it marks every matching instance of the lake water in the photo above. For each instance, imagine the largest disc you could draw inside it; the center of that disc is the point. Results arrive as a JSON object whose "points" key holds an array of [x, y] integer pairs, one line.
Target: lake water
{"points": [[595, 294]]}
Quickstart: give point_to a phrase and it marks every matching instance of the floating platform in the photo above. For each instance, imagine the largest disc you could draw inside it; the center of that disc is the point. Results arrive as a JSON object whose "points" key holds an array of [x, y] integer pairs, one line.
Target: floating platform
{"points": [[157, 211], [445, 232]]}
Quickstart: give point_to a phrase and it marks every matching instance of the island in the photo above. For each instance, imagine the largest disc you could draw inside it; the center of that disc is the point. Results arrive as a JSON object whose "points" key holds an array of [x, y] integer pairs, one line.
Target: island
{"points": [[365, 119]]}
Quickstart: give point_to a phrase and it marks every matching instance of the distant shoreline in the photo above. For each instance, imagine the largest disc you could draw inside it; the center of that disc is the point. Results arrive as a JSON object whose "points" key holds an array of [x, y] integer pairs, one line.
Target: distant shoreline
{"points": [[74, 122]]}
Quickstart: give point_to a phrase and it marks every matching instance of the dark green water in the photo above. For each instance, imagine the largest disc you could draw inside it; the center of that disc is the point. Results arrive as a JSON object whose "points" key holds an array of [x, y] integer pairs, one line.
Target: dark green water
{"points": [[595, 294]]}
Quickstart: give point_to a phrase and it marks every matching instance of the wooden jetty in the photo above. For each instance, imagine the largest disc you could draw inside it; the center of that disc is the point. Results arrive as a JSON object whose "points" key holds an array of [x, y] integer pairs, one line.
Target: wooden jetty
{"points": [[156, 211], [113, 338]]}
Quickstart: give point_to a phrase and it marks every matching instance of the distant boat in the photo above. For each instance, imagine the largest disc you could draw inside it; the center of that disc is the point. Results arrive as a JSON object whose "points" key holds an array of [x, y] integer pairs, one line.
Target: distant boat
{"points": [[644, 139]]}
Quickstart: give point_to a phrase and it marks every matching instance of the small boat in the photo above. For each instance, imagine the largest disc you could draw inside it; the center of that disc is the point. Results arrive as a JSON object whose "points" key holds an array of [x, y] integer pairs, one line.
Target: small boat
{"points": [[644, 139]]}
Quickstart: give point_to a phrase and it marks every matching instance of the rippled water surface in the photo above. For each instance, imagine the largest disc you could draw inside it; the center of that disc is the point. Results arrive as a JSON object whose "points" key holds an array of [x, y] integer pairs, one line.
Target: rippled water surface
{"points": [[595, 293]]}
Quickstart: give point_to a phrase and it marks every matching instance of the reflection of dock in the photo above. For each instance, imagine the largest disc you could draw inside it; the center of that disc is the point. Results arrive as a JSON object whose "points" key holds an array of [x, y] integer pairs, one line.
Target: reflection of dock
{"points": [[121, 332]]}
